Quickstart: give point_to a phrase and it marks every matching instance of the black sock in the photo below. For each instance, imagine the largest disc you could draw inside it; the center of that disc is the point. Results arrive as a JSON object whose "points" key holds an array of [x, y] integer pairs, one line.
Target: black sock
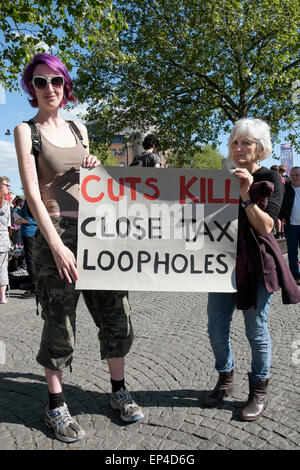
{"points": [[56, 400], [117, 385]]}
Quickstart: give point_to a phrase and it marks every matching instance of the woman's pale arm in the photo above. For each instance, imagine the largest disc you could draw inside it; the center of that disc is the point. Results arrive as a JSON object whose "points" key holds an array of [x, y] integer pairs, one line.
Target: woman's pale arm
{"points": [[260, 220], [63, 257]]}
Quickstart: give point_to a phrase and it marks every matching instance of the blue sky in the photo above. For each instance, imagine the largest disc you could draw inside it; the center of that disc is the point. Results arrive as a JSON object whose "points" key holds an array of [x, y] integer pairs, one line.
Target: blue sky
{"points": [[14, 108]]}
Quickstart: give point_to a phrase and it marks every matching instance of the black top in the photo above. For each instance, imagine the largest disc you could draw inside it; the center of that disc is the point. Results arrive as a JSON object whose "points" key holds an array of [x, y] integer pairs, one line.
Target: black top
{"points": [[288, 203], [146, 159], [275, 200]]}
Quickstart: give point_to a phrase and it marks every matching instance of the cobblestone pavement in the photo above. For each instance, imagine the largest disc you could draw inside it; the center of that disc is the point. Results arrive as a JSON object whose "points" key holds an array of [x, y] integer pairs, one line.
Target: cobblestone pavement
{"points": [[169, 370]]}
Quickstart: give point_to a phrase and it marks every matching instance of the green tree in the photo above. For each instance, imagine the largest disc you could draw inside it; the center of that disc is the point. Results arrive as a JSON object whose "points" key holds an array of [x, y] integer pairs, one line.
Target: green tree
{"points": [[103, 154], [191, 68], [62, 27], [205, 157]]}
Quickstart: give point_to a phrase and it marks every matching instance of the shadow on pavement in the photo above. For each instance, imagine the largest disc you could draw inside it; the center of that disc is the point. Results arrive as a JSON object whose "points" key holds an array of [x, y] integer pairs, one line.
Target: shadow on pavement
{"points": [[23, 397]]}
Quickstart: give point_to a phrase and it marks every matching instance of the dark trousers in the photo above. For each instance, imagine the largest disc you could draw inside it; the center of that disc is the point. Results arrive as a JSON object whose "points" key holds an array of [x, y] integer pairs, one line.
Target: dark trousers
{"points": [[29, 243], [292, 235]]}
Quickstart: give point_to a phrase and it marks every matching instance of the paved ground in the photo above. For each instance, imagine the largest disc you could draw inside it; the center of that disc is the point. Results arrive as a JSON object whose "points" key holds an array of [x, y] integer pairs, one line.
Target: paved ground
{"points": [[169, 370]]}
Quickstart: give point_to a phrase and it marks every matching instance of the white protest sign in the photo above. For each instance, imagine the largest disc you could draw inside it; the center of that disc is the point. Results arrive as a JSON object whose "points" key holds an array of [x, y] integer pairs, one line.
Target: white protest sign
{"points": [[153, 229]]}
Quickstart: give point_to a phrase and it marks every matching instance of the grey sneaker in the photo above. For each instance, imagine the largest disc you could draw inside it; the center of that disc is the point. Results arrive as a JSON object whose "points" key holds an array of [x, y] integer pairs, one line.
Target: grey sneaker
{"points": [[19, 272], [66, 429], [129, 410]]}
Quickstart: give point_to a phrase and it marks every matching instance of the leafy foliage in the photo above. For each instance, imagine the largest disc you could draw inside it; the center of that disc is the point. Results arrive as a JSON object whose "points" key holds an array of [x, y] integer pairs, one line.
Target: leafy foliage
{"points": [[62, 27], [206, 157], [103, 154], [187, 69], [192, 68]]}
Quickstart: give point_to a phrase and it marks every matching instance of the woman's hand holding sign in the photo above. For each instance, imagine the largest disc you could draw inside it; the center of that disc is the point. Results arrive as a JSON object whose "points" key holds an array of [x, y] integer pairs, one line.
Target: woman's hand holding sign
{"points": [[90, 161]]}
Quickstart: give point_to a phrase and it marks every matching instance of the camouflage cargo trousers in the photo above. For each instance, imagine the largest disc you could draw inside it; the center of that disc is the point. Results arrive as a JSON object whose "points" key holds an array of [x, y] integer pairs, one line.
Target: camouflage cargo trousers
{"points": [[110, 310]]}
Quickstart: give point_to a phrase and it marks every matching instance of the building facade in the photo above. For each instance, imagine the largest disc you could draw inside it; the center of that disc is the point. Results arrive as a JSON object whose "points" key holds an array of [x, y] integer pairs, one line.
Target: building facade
{"points": [[125, 149]]}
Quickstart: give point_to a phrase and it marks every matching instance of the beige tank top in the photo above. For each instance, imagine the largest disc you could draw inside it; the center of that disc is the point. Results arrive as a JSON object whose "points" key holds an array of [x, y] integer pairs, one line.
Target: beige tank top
{"points": [[58, 173]]}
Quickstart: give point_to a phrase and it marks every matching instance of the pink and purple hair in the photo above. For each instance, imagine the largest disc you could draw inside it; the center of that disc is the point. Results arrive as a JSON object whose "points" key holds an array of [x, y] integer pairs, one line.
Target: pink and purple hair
{"points": [[58, 67]]}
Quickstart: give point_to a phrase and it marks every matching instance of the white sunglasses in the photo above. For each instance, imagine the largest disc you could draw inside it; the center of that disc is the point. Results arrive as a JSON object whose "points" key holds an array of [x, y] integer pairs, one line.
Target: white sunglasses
{"points": [[40, 82]]}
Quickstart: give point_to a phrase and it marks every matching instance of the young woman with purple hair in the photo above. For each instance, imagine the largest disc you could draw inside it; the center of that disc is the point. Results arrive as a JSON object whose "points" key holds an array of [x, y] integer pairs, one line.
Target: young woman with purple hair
{"points": [[51, 187]]}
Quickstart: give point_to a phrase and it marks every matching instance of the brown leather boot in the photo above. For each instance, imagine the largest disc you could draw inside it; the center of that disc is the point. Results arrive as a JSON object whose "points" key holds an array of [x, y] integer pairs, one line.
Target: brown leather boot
{"points": [[257, 401], [223, 388]]}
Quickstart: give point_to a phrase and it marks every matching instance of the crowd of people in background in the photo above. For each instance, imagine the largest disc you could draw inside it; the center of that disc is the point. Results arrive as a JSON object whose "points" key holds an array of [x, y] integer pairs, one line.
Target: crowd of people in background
{"points": [[5, 223], [17, 238]]}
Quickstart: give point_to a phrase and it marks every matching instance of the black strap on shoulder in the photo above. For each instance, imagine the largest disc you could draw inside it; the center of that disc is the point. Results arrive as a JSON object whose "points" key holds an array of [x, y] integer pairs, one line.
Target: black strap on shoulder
{"points": [[77, 132], [36, 139]]}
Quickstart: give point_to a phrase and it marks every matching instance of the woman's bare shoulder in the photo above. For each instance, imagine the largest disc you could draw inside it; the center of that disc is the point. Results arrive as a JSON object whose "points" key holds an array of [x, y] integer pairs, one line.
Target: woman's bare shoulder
{"points": [[22, 129]]}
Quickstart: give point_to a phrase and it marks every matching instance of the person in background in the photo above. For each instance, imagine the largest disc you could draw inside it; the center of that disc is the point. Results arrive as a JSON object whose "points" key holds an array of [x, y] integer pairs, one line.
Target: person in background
{"points": [[9, 198], [290, 216], [5, 223], [28, 231], [16, 222], [260, 269], [149, 157], [282, 171], [16, 237], [278, 223]]}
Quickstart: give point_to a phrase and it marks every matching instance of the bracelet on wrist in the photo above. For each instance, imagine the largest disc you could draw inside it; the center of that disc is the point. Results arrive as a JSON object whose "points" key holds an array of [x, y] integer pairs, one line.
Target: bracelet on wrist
{"points": [[245, 204]]}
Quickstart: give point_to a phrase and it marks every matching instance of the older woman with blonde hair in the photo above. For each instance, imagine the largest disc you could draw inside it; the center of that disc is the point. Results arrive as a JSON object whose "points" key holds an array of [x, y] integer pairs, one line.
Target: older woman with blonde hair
{"points": [[4, 237], [260, 269]]}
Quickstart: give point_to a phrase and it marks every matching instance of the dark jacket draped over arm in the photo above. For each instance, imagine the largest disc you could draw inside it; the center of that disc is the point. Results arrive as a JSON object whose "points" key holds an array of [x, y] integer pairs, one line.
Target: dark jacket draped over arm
{"points": [[259, 257]]}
